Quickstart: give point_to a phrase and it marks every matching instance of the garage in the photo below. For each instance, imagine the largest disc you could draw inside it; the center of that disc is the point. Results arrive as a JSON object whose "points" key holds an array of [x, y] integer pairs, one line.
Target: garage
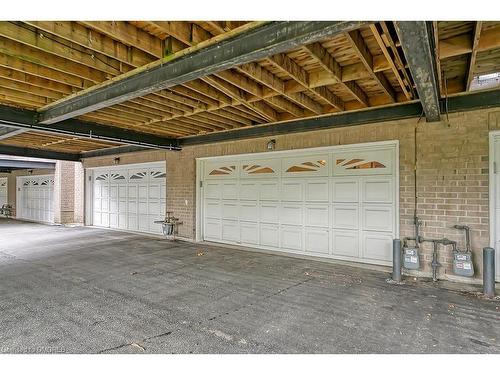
{"points": [[129, 198], [337, 202], [35, 199], [248, 186]]}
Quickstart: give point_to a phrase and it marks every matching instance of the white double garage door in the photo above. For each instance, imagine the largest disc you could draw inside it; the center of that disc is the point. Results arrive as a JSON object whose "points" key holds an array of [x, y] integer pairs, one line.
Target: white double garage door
{"points": [[35, 198], [338, 202], [128, 197]]}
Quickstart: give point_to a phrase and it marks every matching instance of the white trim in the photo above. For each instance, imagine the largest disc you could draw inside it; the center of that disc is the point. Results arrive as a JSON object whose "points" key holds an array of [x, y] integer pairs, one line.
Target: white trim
{"points": [[492, 198], [200, 164], [199, 194], [135, 165]]}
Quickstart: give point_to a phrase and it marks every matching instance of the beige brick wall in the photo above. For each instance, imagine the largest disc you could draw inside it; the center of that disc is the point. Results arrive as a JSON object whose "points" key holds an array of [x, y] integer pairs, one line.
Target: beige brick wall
{"points": [[68, 193], [452, 168]]}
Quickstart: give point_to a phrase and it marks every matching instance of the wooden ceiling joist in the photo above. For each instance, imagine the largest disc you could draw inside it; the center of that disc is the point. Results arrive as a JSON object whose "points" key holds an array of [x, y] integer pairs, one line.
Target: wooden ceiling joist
{"points": [[463, 44], [254, 44], [472, 58], [366, 58], [391, 57], [328, 63]]}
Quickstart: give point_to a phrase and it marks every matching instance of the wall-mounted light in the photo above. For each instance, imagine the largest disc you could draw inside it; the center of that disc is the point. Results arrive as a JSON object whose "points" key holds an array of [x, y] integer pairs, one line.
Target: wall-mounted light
{"points": [[30, 171], [271, 145], [116, 161]]}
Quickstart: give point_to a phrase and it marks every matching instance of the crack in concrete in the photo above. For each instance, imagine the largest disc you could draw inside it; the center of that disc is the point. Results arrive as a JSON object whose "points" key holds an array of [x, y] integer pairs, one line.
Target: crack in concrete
{"points": [[193, 325]]}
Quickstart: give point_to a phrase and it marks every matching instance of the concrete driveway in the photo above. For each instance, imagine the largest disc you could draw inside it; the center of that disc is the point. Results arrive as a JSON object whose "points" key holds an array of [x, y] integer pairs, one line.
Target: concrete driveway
{"points": [[87, 290]]}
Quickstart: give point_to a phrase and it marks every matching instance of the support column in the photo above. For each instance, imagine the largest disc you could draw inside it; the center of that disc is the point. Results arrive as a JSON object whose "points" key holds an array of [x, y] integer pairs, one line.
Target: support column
{"points": [[68, 193]]}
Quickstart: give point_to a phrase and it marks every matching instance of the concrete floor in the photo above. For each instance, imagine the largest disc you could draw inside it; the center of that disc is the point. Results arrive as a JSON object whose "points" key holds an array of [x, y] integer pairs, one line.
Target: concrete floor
{"points": [[86, 290]]}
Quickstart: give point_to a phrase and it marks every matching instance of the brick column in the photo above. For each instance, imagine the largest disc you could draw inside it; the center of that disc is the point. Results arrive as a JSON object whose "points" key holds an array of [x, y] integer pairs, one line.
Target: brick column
{"points": [[68, 193]]}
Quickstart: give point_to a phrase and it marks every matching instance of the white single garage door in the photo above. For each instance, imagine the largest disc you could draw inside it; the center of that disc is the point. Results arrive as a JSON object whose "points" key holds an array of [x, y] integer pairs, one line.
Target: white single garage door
{"points": [[3, 191], [337, 202], [129, 197], [35, 198]]}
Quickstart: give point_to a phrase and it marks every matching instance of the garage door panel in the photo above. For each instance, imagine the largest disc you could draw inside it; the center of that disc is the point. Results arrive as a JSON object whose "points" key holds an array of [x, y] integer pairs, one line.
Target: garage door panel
{"points": [[122, 221], [316, 215], [230, 230], [230, 190], [113, 205], [378, 191], [316, 191], [249, 190], [113, 220], [345, 216], [132, 192], [213, 209], [230, 210], [105, 191], [377, 246], [143, 222], [269, 213], [269, 235], [291, 214], [212, 190], [291, 237], [317, 240], [292, 190], [132, 207], [378, 218], [154, 192], [249, 211], [132, 222], [154, 208], [249, 233], [345, 190], [142, 207], [269, 190], [113, 192], [346, 243], [213, 229], [142, 191]]}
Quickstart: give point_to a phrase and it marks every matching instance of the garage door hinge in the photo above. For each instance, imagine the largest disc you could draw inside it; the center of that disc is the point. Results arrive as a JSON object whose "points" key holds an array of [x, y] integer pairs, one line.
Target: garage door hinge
{"points": [[201, 184], [495, 167]]}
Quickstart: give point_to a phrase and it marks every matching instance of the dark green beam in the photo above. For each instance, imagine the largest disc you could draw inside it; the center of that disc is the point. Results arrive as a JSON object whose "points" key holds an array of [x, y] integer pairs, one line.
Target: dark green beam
{"points": [[26, 119], [459, 103], [111, 151], [36, 153], [266, 40]]}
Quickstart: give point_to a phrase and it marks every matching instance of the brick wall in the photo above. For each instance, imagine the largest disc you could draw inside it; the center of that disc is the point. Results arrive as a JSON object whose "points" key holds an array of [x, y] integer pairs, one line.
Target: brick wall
{"points": [[68, 193], [452, 170], [79, 195]]}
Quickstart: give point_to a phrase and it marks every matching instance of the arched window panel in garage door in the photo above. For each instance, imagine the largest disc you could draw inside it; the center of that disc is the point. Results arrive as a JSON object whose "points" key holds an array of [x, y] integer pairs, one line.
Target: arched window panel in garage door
{"points": [[306, 166], [369, 162]]}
